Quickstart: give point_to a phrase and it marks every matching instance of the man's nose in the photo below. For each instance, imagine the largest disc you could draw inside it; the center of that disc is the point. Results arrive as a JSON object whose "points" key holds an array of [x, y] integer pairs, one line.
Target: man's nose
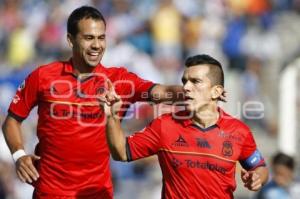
{"points": [[187, 86], [96, 43]]}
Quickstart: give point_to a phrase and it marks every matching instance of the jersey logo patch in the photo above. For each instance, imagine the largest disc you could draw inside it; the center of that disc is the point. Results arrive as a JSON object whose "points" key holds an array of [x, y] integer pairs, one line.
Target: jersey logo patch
{"points": [[180, 142], [16, 99], [53, 90], [202, 143], [176, 163], [229, 136], [101, 90], [227, 149]]}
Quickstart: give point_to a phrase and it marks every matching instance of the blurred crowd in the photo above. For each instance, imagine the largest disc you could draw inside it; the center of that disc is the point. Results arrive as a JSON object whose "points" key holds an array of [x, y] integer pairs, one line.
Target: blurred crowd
{"points": [[253, 39], [283, 184]]}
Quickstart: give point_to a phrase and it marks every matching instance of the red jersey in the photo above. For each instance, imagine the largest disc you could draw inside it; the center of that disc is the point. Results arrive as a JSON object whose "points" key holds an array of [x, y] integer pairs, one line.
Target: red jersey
{"points": [[71, 127], [195, 162]]}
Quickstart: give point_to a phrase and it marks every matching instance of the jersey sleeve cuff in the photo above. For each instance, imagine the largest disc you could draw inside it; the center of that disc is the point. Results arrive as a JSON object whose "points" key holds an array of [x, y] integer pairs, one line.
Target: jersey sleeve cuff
{"points": [[128, 152], [15, 116]]}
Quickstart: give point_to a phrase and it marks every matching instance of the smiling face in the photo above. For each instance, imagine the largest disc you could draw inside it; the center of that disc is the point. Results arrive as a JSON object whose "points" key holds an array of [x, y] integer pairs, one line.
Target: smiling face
{"points": [[198, 88], [89, 43]]}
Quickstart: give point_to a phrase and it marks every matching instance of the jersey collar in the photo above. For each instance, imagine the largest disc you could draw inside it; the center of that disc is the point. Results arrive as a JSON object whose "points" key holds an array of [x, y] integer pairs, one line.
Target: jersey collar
{"points": [[69, 68]]}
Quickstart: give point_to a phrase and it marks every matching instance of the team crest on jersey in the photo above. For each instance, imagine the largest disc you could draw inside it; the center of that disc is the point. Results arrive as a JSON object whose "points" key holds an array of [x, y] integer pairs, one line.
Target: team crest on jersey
{"points": [[53, 90], [101, 90], [22, 86], [180, 142], [227, 149]]}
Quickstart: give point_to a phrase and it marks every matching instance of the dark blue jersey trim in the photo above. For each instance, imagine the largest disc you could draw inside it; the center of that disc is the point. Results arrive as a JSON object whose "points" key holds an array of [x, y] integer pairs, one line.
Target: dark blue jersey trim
{"points": [[253, 161], [16, 117], [205, 129], [128, 152]]}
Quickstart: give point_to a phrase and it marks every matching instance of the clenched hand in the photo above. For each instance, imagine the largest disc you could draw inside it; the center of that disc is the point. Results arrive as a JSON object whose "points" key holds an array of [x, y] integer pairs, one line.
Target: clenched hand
{"points": [[251, 180]]}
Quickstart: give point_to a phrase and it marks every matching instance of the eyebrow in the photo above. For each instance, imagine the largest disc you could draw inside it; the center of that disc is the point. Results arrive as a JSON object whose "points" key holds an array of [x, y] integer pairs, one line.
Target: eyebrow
{"points": [[89, 34], [191, 79], [195, 78]]}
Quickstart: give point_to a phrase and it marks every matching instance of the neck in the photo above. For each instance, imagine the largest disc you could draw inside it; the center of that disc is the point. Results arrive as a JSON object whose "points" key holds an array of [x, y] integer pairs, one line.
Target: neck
{"points": [[206, 116], [80, 67]]}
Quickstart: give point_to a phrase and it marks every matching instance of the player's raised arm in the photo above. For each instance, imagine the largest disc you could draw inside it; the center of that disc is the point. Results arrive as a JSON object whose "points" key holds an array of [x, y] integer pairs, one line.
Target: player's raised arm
{"points": [[171, 93], [167, 93], [114, 133]]}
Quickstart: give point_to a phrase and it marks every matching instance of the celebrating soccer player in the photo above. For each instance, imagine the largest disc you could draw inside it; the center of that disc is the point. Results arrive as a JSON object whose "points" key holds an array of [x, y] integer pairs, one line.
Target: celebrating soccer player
{"points": [[197, 148], [71, 159]]}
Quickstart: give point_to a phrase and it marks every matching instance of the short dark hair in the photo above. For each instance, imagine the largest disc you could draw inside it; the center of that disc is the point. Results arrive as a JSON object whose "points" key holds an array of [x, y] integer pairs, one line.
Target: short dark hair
{"points": [[84, 12], [283, 159], [215, 74]]}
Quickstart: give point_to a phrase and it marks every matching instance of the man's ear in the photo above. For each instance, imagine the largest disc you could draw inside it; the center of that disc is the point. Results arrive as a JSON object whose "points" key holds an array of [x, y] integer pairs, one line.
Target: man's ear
{"points": [[70, 40], [216, 92]]}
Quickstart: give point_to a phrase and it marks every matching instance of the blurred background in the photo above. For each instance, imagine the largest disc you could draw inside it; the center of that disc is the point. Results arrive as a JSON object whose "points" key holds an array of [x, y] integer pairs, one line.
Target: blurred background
{"points": [[257, 41]]}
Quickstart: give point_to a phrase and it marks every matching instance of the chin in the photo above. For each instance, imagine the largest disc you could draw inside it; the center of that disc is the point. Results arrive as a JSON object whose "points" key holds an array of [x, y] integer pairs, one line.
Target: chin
{"points": [[189, 107], [93, 64]]}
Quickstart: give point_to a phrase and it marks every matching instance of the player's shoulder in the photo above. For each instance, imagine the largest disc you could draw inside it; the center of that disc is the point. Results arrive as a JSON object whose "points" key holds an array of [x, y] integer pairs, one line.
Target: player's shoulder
{"points": [[52, 65], [118, 72], [46, 69], [175, 117], [163, 121], [55, 66], [163, 118], [228, 120], [115, 69]]}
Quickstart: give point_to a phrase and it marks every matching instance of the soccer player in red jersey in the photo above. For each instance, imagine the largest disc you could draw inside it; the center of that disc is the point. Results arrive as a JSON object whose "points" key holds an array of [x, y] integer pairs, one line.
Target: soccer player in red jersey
{"points": [[71, 159], [197, 148]]}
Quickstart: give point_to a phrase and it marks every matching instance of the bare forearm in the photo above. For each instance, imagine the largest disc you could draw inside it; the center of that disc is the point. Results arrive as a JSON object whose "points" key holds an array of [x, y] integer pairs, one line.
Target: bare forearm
{"points": [[167, 94], [12, 134], [116, 139], [263, 173]]}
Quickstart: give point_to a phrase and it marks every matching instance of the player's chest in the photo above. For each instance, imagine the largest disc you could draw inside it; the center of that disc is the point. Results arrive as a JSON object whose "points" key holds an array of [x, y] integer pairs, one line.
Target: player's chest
{"points": [[192, 148], [72, 89], [69, 98]]}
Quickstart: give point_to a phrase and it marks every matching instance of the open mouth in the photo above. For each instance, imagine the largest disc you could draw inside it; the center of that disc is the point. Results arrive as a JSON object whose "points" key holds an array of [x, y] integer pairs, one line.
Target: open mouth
{"points": [[93, 55], [188, 98]]}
